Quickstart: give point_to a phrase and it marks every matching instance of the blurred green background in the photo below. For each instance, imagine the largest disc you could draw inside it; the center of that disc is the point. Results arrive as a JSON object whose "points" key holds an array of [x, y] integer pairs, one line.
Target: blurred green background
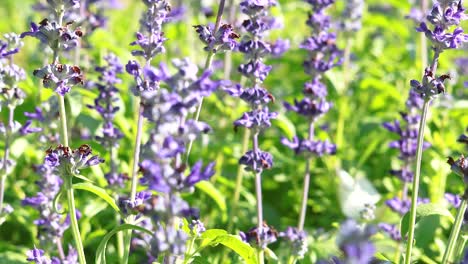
{"points": [[385, 56]]}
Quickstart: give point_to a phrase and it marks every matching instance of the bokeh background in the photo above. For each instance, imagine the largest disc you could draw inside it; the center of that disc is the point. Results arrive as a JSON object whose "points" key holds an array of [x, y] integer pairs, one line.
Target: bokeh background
{"points": [[385, 56]]}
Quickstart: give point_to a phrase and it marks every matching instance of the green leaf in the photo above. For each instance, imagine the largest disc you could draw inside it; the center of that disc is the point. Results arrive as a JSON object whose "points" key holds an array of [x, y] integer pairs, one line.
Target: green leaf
{"points": [[101, 250], [208, 188], [286, 126], [56, 201], [98, 191], [270, 254], [242, 249], [84, 178], [422, 211]]}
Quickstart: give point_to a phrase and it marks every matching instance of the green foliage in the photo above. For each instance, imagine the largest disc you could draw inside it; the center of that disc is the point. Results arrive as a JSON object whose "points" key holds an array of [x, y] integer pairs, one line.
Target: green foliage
{"points": [[384, 58]]}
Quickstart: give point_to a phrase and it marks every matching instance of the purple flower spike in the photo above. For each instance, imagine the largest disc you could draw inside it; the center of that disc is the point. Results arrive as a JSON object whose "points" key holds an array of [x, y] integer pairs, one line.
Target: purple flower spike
{"points": [[256, 161], [355, 243], [392, 230], [453, 199]]}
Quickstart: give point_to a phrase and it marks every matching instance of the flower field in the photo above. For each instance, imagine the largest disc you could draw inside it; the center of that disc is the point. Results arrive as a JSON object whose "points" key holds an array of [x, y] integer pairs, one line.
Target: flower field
{"points": [[242, 131]]}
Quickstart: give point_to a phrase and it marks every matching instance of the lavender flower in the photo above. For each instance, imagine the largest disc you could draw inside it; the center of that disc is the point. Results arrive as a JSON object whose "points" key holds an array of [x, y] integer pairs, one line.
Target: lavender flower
{"points": [[104, 104], [61, 78], [150, 39], [11, 96], [224, 39], [260, 238], [392, 230], [37, 255], [323, 55], [352, 15], [170, 107], [353, 241], [453, 199], [70, 162], [297, 241], [54, 35]]}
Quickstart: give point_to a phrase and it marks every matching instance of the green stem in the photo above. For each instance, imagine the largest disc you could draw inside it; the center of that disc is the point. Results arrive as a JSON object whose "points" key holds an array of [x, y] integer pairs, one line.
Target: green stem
{"points": [[120, 241], [6, 154], [239, 179], [208, 62], [414, 196], [73, 221], [134, 177], [455, 232], [188, 254], [63, 121], [460, 249], [292, 260]]}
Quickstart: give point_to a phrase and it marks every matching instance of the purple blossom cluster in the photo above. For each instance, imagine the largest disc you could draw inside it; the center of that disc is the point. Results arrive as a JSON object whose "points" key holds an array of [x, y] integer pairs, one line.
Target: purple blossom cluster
{"points": [[354, 242], [105, 106], [445, 17], [352, 15], [150, 39], [51, 223], [407, 130], [256, 49], [11, 96], [161, 161], [323, 55]]}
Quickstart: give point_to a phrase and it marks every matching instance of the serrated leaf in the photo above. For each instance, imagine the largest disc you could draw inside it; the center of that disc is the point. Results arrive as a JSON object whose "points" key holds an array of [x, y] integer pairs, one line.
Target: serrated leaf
{"points": [[422, 211], [97, 191], [101, 250]]}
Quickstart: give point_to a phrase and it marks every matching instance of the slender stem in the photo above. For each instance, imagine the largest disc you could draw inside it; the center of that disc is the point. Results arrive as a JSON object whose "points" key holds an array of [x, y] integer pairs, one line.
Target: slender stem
{"points": [[455, 232], [73, 220], [460, 249], [63, 121], [58, 242], [6, 155], [136, 153], [134, 178], [68, 179], [120, 241], [208, 62], [414, 196], [258, 192], [188, 253], [292, 259], [305, 192], [239, 179]]}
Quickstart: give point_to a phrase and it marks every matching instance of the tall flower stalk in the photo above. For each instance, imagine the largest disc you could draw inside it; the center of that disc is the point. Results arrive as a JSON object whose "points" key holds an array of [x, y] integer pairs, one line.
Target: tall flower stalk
{"points": [[323, 55], [150, 40], [443, 16], [162, 166], [219, 39], [61, 78], [10, 97], [105, 105], [256, 48], [460, 167]]}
